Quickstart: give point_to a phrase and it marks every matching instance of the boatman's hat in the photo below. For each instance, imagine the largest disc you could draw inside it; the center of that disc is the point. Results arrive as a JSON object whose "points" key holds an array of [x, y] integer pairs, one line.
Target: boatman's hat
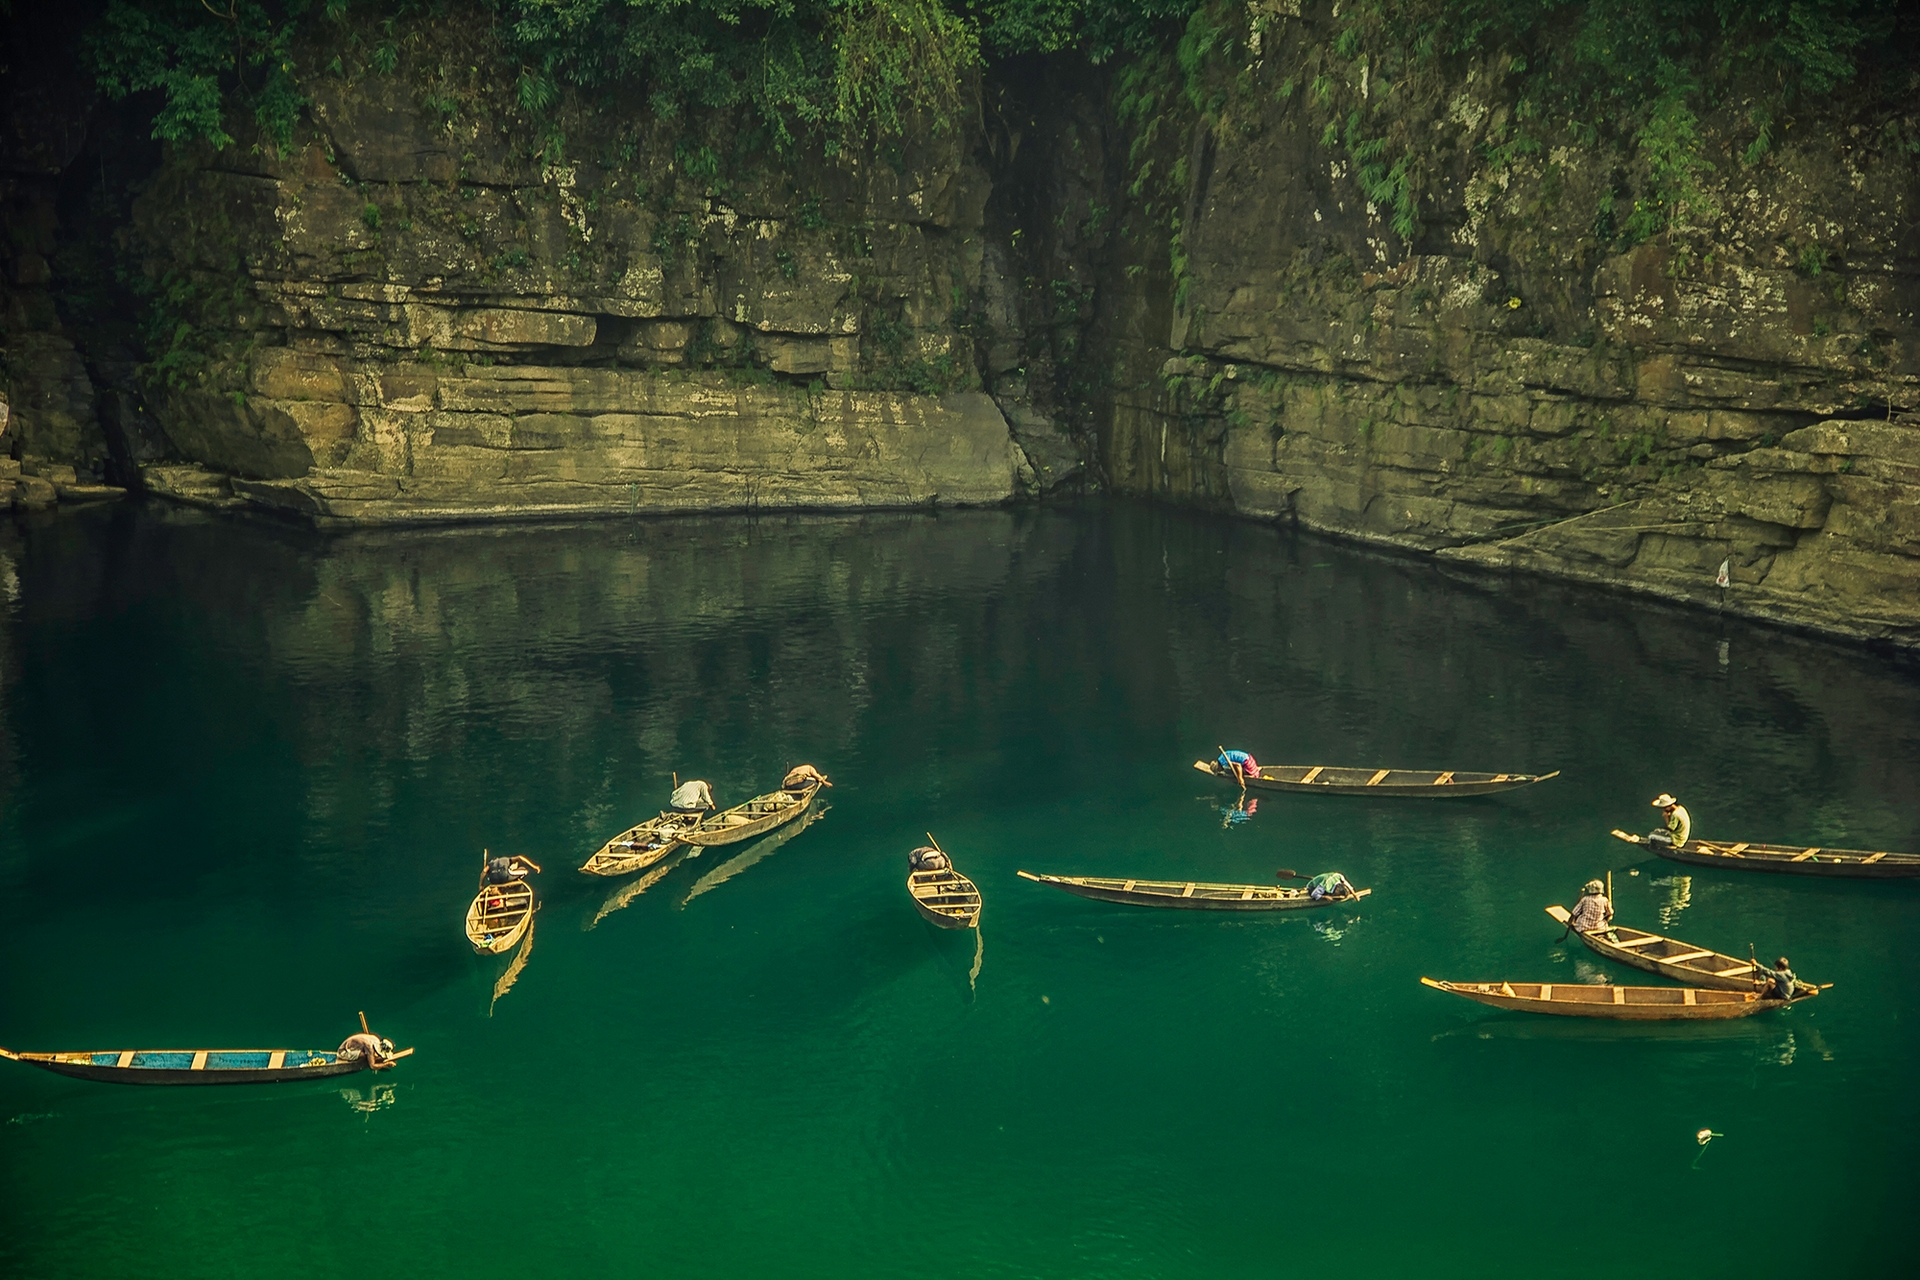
{"points": [[1594, 886], [1663, 800]]}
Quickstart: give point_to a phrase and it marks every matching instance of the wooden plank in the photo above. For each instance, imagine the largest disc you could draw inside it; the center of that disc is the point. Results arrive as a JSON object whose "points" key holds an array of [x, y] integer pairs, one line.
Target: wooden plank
{"points": [[126, 1058], [277, 1059], [1374, 781], [1546, 991], [1619, 995], [1505, 990], [1686, 956], [1641, 942], [1313, 773], [1870, 861], [1187, 892], [1686, 995], [1728, 973], [1500, 777], [1804, 854], [1738, 849], [1444, 779], [1128, 887], [199, 1061]]}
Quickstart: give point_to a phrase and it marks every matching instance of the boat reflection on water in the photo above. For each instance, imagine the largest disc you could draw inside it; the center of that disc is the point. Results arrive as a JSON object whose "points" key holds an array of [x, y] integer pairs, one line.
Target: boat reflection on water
{"points": [[376, 1098], [1334, 932], [506, 980], [1766, 1040], [1679, 897], [755, 852], [1234, 814], [623, 894]]}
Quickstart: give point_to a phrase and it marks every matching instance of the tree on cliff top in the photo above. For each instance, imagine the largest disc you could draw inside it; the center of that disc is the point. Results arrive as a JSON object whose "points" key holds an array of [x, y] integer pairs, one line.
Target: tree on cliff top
{"points": [[852, 68]]}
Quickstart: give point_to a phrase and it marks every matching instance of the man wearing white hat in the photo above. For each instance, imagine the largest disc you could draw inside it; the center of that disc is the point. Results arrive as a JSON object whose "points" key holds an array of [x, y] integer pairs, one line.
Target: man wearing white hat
{"points": [[1679, 825]]}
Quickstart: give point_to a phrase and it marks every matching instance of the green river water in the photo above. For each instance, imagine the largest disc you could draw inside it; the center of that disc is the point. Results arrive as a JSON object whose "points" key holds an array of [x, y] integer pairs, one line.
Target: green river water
{"points": [[246, 776]]}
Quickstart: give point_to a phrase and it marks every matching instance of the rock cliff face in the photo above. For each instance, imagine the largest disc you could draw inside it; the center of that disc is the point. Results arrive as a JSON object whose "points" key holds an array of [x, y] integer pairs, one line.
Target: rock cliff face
{"points": [[1516, 387], [408, 318], [1180, 290]]}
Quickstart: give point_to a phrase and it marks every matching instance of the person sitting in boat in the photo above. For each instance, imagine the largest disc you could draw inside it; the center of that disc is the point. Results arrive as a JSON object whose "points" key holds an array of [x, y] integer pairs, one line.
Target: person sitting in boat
{"points": [[691, 796], [1782, 985], [1330, 884], [377, 1052], [928, 858], [1679, 824], [802, 776], [1593, 912], [1235, 764]]}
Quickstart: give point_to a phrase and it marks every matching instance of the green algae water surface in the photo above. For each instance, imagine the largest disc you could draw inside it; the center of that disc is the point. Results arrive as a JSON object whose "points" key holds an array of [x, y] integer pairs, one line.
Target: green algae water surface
{"points": [[247, 776]]}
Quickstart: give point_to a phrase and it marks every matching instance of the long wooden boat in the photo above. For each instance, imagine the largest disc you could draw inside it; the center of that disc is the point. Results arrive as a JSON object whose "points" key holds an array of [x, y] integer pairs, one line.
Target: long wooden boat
{"points": [[498, 916], [1681, 961], [945, 898], [756, 817], [196, 1066], [1639, 1004], [1433, 784], [1793, 859], [640, 846], [1188, 895]]}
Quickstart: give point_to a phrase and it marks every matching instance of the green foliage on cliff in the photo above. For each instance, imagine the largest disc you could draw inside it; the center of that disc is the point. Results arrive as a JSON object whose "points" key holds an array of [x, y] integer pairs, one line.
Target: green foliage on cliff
{"points": [[197, 56]]}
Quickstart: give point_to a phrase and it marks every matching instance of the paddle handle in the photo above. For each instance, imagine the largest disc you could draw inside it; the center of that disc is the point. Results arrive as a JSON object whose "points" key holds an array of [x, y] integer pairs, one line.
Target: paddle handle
{"points": [[363, 1022], [934, 843]]}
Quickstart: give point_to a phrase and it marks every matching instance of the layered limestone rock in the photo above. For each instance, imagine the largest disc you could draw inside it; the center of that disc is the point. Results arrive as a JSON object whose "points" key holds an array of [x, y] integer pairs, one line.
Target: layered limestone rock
{"points": [[1518, 386], [427, 323]]}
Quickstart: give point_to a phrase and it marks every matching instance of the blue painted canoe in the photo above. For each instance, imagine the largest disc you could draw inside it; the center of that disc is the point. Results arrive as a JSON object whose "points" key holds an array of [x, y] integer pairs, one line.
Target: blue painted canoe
{"points": [[196, 1066]]}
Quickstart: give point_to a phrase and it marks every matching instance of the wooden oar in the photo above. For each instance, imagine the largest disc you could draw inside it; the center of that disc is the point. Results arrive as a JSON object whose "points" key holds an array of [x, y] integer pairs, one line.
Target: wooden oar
{"points": [[935, 844], [1290, 875], [363, 1022]]}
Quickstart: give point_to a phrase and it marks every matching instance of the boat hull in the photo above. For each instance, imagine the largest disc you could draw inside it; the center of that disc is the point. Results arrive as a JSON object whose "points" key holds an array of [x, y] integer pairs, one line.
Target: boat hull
{"points": [[1649, 951], [1792, 860], [1188, 895], [1626, 1004], [613, 860], [102, 1066], [708, 837], [1428, 784], [500, 930], [945, 899]]}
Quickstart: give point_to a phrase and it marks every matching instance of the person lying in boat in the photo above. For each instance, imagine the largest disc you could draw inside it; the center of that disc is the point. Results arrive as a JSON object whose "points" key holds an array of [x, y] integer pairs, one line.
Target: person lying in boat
{"points": [[1592, 912], [691, 796], [377, 1052], [1329, 884], [1237, 763], [802, 776], [506, 870], [1679, 823], [927, 858]]}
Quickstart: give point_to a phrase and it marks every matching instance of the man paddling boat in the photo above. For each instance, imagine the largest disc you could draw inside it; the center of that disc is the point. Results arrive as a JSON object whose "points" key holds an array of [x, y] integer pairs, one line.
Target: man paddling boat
{"points": [[1679, 822], [1593, 911]]}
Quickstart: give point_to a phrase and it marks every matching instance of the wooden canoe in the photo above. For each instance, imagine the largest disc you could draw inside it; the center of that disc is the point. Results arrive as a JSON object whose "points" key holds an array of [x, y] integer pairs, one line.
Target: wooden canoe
{"points": [[498, 916], [945, 898], [196, 1066], [756, 817], [639, 847], [1433, 784], [1793, 859], [1188, 895], [1639, 1004], [1681, 961]]}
